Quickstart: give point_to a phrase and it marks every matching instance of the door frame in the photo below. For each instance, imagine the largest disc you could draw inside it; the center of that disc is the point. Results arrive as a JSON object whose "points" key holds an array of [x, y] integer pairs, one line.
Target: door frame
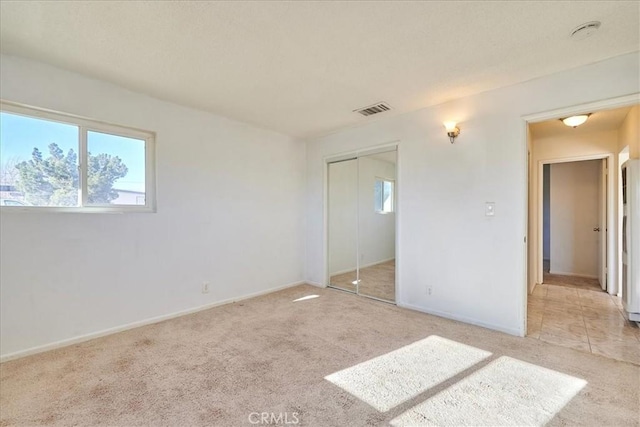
{"points": [[587, 107], [609, 208], [332, 158]]}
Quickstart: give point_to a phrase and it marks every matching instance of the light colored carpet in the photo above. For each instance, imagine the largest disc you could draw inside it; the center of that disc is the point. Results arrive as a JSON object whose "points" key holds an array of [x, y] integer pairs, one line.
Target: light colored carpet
{"points": [[272, 354], [378, 281], [391, 379], [507, 392]]}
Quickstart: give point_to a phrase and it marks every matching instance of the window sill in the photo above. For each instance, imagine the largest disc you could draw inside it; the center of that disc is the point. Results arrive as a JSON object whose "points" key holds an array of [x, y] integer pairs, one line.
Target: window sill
{"points": [[78, 210]]}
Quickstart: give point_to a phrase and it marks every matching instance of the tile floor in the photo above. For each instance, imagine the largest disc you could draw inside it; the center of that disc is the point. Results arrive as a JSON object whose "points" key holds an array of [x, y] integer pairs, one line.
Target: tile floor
{"points": [[572, 281], [583, 319]]}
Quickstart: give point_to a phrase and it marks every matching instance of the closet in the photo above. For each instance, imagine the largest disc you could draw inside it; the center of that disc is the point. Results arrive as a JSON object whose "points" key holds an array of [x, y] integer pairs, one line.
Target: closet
{"points": [[361, 201]]}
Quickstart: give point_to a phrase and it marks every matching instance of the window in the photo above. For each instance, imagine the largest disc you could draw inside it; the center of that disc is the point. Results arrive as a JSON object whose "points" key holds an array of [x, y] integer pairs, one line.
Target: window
{"points": [[383, 196], [51, 161]]}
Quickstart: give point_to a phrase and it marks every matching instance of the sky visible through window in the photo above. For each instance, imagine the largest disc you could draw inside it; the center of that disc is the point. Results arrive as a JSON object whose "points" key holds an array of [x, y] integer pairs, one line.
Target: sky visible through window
{"points": [[19, 135]]}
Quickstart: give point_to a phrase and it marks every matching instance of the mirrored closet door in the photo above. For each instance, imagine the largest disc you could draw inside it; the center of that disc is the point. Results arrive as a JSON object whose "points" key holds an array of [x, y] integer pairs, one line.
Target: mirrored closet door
{"points": [[362, 224], [343, 224]]}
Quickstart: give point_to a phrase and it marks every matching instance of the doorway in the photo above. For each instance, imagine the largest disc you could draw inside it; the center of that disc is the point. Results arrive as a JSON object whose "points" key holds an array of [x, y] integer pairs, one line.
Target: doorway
{"points": [[361, 208], [574, 218], [571, 301]]}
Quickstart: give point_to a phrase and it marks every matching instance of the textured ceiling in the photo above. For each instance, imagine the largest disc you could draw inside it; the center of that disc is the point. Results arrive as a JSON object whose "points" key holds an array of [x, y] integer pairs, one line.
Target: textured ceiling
{"points": [[302, 67], [599, 121]]}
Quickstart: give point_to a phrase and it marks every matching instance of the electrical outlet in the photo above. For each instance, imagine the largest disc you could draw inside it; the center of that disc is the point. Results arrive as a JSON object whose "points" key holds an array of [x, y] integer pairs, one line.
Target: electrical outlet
{"points": [[205, 287], [428, 290]]}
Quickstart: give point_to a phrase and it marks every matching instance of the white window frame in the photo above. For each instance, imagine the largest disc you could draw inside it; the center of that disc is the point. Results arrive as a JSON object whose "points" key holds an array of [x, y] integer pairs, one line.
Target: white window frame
{"points": [[84, 126], [393, 196]]}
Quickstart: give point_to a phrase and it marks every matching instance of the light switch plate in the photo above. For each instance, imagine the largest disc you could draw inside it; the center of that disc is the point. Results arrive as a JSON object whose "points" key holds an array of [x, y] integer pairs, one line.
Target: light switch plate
{"points": [[490, 209]]}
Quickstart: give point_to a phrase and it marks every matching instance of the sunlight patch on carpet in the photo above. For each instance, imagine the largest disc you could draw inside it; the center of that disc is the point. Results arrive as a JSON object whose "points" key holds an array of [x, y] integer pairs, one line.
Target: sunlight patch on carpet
{"points": [[306, 298], [393, 378], [505, 392]]}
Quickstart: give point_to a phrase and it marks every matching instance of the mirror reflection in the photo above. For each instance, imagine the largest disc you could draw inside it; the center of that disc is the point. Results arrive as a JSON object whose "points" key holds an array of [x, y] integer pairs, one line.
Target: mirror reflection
{"points": [[343, 224], [362, 224]]}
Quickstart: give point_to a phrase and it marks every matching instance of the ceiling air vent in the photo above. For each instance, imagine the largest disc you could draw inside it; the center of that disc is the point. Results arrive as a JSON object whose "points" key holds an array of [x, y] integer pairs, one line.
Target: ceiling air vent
{"points": [[380, 107]]}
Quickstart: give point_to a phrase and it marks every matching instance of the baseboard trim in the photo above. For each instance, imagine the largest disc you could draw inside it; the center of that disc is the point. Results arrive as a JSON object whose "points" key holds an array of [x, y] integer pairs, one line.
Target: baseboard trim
{"points": [[317, 284], [137, 324], [371, 264], [469, 320], [563, 273]]}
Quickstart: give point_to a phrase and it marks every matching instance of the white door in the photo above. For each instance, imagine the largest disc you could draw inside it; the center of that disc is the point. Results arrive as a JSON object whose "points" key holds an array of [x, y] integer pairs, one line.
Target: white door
{"points": [[574, 218], [602, 225]]}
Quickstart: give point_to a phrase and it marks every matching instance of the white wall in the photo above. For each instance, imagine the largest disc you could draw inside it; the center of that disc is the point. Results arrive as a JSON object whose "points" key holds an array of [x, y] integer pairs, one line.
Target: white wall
{"points": [[474, 264], [351, 206], [230, 211], [629, 133], [574, 195]]}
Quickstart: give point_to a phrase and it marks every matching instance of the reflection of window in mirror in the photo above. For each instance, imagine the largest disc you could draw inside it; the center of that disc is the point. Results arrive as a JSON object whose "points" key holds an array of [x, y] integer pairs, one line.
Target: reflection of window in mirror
{"points": [[383, 196]]}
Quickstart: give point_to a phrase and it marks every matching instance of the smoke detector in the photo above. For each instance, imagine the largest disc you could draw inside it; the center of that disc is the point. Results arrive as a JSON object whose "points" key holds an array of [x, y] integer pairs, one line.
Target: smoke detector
{"points": [[380, 107], [585, 30]]}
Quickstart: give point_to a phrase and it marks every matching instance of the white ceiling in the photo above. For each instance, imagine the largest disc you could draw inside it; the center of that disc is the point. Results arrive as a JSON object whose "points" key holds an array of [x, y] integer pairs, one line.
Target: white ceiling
{"points": [[302, 67], [599, 121]]}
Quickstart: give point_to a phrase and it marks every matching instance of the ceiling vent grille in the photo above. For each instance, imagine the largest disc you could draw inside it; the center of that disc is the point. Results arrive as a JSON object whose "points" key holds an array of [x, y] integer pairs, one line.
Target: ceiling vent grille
{"points": [[380, 107]]}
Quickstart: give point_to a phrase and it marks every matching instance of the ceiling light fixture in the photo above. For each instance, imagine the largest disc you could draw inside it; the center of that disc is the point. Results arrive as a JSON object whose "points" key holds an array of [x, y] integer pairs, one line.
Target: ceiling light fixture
{"points": [[452, 130], [575, 121]]}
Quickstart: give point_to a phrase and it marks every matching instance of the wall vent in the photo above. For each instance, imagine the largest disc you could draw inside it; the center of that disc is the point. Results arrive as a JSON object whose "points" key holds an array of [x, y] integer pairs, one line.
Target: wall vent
{"points": [[380, 107]]}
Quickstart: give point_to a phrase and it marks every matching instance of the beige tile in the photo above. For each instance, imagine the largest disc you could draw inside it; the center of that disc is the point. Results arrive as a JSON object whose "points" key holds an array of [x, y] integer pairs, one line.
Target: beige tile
{"points": [[561, 304], [571, 281], [564, 295], [568, 329], [593, 297], [598, 304], [564, 341], [592, 293], [533, 327], [563, 310], [535, 299], [598, 331], [559, 319], [540, 291], [620, 350], [561, 290], [602, 313], [535, 315], [606, 323], [535, 308], [609, 338], [566, 299]]}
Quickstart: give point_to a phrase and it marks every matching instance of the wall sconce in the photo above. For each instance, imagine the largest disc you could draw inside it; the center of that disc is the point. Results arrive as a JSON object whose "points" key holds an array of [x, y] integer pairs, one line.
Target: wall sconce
{"points": [[575, 121], [452, 130]]}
